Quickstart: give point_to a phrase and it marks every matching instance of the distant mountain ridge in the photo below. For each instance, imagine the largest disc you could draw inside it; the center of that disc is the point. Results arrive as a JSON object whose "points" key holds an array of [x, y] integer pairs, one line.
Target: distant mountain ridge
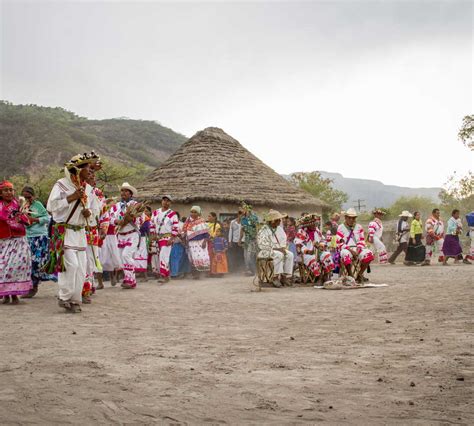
{"points": [[32, 137], [375, 193]]}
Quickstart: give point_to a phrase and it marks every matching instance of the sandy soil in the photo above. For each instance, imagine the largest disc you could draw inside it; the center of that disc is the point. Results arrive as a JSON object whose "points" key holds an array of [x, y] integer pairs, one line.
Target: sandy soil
{"points": [[212, 351]]}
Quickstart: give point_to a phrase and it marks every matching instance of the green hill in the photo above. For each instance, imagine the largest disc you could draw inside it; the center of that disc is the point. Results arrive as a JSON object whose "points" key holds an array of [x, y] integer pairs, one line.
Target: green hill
{"points": [[33, 137]]}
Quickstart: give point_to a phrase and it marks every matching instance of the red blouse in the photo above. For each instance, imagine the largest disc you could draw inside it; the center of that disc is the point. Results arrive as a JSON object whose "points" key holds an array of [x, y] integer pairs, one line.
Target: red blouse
{"points": [[12, 222]]}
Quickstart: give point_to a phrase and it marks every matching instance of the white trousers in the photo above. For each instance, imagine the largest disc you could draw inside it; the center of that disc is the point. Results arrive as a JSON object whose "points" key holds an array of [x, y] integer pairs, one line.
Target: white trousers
{"points": [[436, 247], [380, 249], [70, 282], [282, 264], [164, 260]]}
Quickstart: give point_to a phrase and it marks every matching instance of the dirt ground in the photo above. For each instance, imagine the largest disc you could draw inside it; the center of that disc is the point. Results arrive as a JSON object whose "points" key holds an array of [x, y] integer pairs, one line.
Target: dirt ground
{"points": [[213, 352]]}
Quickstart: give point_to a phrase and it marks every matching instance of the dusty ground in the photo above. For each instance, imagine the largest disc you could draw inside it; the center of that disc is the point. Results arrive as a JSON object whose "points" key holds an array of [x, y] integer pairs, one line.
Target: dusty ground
{"points": [[211, 351]]}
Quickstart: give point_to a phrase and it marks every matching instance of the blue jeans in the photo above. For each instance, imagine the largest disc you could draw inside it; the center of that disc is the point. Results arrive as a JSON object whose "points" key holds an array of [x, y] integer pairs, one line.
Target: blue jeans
{"points": [[250, 256]]}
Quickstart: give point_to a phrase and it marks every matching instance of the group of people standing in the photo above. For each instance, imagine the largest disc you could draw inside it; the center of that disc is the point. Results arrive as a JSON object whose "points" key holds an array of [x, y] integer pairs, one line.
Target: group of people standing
{"points": [[81, 235], [440, 241]]}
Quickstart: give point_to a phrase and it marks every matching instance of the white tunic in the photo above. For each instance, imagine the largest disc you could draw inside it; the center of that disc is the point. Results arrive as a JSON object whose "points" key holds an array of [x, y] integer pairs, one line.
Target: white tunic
{"points": [[60, 210]]}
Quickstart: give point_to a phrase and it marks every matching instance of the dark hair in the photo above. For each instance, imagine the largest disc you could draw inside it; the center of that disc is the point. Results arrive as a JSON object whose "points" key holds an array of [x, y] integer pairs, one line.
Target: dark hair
{"points": [[74, 170], [328, 223], [213, 214], [454, 212], [434, 211], [184, 218], [415, 213], [177, 214], [28, 189]]}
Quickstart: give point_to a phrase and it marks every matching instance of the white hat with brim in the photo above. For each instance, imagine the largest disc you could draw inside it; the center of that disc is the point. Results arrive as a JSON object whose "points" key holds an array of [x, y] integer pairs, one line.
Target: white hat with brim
{"points": [[405, 213], [167, 196], [130, 188], [351, 213], [274, 215]]}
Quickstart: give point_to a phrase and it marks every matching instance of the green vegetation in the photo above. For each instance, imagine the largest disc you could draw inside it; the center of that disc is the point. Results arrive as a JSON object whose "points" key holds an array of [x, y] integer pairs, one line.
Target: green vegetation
{"points": [[108, 179], [34, 137], [321, 188]]}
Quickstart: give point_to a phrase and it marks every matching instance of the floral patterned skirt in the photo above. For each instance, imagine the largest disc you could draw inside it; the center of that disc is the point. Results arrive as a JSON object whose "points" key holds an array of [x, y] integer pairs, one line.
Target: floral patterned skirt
{"points": [[15, 267], [39, 257]]}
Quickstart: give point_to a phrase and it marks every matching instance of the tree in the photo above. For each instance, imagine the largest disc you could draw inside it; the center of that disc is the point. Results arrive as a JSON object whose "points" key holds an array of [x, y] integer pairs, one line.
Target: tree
{"points": [[466, 133], [41, 183], [458, 193], [321, 188], [424, 205], [112, 175]]}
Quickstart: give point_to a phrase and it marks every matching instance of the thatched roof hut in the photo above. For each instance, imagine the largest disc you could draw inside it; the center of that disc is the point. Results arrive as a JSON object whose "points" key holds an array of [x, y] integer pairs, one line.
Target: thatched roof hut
{"points": [[214, 170]]}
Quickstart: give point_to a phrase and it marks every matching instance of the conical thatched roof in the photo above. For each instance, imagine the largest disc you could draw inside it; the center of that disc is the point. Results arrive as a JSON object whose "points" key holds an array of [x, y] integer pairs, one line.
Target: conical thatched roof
{"points": [[213, 166]]}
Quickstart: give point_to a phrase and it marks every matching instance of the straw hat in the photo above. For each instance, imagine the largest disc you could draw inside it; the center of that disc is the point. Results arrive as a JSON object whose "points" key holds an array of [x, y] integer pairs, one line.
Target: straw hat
{"points": [[405, 213], [307, 219], [350, 213], [129, 187], [274, 215]]}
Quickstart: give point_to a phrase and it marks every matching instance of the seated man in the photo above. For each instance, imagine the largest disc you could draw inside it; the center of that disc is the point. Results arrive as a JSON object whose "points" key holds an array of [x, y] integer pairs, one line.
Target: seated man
{"points": [[305, 244], [271, 240], [351, 244], [311, 244]]}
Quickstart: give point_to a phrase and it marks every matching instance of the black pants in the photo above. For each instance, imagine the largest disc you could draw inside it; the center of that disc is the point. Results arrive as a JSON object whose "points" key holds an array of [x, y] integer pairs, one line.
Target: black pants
{"points": [[236, 257], [402, 247]]}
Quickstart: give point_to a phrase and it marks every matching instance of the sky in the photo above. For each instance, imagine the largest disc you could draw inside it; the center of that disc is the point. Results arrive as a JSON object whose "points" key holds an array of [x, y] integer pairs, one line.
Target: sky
{"points": [[369, 89]]}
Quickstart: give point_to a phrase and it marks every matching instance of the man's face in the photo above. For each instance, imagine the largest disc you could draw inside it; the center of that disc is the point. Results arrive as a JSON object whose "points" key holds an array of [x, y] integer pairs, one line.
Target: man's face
{"points": [[125, 194], [275, 223], [165, 203], [91, 178], [436, 214], [84, 173], [350, 221]]}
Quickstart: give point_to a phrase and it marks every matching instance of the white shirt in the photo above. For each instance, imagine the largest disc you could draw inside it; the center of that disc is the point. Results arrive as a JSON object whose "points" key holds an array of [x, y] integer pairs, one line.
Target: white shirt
{"points": [[234, 231], [59, 207]]}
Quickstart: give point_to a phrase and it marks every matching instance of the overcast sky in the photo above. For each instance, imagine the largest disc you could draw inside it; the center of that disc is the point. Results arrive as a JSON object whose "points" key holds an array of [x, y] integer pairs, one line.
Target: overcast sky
{"points": [[369, 89]]}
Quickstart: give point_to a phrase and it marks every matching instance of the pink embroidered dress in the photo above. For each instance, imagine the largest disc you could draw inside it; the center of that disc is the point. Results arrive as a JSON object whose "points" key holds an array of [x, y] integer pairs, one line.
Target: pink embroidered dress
{"points": [[15, 255]]}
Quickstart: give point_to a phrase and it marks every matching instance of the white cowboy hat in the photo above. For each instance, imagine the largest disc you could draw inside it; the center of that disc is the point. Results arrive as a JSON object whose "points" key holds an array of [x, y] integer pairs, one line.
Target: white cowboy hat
{"points": [[274, 215], [132, 189], [167, 196], [350, 213], [405, 213]]}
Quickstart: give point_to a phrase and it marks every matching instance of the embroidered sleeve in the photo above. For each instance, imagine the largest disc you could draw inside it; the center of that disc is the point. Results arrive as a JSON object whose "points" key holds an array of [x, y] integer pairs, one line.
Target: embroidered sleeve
{"points": [[359, 234], [341, 239], [372, 230], [174, 225]]}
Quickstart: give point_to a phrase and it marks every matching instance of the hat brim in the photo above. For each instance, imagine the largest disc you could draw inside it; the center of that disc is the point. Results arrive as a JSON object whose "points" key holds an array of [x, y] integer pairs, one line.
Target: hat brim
{"points": [[131, 189], [275, 217]]}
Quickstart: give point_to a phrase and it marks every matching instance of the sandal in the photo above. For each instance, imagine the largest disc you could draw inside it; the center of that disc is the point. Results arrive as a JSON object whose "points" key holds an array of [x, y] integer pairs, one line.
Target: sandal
{"points": [[6, 300], [75, 308]]}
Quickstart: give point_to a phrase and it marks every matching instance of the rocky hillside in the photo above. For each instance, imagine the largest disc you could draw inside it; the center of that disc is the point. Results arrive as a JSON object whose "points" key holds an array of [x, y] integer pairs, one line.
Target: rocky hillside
{"points": [[32, 137], [375, 193]]}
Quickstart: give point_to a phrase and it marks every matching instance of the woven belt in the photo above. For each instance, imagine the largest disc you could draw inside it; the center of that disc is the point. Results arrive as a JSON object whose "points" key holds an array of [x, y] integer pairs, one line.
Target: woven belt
{"points": [[127, 233], [74, 228]]}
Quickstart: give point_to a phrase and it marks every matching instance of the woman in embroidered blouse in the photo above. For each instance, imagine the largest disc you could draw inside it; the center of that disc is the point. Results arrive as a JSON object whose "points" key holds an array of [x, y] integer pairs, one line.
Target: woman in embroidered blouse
{"points": [[37, 235], [452, 246], [15, 258], [197, 238]]}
